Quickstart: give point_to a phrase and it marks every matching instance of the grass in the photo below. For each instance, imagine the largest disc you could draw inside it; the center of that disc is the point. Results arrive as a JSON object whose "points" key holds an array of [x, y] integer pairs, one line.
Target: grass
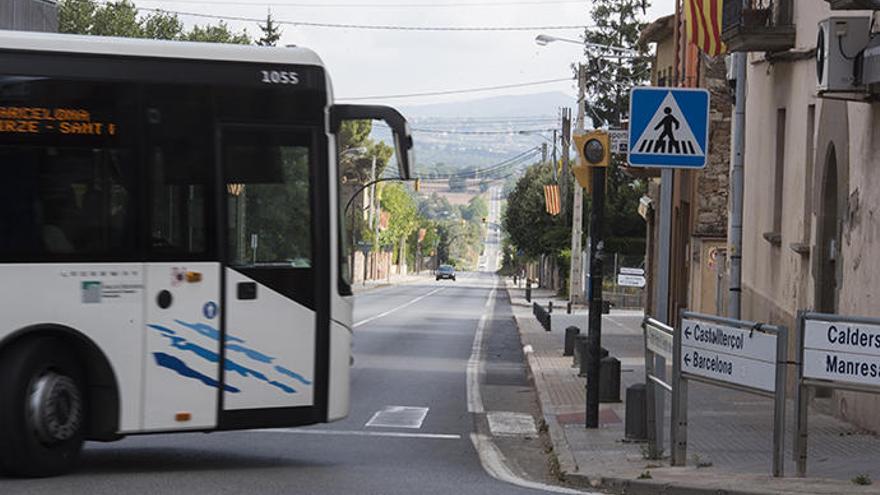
{"points": [[862, 479], [700, 462], [646, 475], [649, 453]]}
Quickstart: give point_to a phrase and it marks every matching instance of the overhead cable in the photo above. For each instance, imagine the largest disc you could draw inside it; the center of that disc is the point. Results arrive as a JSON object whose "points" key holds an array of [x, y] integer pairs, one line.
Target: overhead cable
{"points": [[373, 27]]}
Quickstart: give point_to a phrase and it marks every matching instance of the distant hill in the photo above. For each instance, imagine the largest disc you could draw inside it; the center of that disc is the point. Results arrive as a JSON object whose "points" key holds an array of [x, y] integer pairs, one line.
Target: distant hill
{"points": [[450, 133], [495, 106]]}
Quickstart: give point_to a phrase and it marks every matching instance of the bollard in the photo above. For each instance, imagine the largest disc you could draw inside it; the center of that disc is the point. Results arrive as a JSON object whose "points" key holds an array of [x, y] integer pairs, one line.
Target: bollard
{"points": [[570, 334], [529, 290], [580, 352], [636, 418], [609, 380], [568, 310], [606, 307], [515, 280], [550, 307]]}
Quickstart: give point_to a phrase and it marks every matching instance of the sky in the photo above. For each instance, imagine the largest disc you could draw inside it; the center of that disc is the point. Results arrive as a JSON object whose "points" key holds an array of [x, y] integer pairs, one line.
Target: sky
{"points": [[374, 63]]}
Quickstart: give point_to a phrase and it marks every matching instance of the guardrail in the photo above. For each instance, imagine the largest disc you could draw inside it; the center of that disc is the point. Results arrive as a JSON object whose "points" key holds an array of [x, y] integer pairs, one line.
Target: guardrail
{"points": [[840, 352], [659, 342]]}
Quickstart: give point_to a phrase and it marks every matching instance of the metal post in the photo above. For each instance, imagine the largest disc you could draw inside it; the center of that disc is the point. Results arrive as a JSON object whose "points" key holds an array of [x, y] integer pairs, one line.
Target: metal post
{"points": [[661, 298], [779, 403], [736, 187], [597, 236], [650, 396], [576, 274], [802, 400], [679, 421]]}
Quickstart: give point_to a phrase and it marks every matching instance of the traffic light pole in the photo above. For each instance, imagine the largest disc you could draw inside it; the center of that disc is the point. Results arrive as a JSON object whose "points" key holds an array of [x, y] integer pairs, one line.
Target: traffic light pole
{"points": [[594, 334]]}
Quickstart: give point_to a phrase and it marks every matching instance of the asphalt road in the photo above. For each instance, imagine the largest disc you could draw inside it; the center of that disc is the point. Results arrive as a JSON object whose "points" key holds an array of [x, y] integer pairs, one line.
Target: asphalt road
{"points": [[441, 359]]}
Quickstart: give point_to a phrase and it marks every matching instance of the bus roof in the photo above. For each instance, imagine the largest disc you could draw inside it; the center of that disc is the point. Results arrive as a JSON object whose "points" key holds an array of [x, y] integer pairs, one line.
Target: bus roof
{"points": [[133, 47]]}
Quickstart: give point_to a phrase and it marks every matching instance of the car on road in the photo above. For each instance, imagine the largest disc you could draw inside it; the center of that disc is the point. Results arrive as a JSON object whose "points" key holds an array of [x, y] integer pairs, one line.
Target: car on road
{"points": [[447, 272]]}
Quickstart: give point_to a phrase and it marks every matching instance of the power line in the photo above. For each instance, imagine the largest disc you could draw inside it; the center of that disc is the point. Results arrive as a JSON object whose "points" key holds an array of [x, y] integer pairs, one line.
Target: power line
{"points": [[457, 91], [482, 133], [373, 27], [371, 5], [510, 162]]}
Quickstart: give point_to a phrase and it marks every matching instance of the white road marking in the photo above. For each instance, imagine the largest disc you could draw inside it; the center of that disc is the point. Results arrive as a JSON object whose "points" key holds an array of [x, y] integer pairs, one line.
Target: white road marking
{"points": [[361, 433], [398, 417], [402, 306], [491, 458], [495, 464], [475, 362], [511, 424]]}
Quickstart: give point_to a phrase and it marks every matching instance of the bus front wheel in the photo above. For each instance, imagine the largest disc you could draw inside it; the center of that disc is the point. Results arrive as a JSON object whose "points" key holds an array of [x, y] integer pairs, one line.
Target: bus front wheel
{"points": [[43, 412]]}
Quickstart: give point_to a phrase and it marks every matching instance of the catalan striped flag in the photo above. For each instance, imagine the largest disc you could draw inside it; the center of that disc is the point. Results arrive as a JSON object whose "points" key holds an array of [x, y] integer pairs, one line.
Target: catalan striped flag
{"points": [[703, 18], [552, 202]]}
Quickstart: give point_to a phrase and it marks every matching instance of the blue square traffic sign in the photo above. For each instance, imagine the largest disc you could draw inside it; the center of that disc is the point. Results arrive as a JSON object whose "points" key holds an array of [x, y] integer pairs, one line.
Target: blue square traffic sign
{"points": [[669, 127]]}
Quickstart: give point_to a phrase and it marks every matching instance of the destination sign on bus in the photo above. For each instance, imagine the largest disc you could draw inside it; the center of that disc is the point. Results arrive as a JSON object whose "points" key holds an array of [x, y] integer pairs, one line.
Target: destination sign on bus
{"points": [[43, 120]]}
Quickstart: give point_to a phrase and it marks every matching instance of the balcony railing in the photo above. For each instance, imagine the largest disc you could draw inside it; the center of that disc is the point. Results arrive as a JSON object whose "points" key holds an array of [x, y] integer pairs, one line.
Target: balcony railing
{"points": [[854, 4], [761, 26]]}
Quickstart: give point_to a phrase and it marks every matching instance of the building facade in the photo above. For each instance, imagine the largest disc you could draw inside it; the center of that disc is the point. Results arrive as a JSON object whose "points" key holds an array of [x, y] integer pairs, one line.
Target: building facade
{"points": [[811, 220], [29, 15]]}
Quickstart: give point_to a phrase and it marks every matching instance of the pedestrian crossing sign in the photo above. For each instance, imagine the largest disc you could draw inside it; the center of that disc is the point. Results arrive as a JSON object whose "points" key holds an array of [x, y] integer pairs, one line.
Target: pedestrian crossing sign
{"points": [[669, 127]]}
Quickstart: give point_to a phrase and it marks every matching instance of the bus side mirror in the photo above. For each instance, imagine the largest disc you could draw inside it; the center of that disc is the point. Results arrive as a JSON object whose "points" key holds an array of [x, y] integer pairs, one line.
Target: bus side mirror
{"points": [[403, 143]]}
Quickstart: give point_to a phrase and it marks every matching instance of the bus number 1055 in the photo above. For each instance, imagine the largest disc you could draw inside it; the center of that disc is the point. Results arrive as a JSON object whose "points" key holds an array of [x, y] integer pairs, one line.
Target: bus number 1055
{"points": [[280, 77]]}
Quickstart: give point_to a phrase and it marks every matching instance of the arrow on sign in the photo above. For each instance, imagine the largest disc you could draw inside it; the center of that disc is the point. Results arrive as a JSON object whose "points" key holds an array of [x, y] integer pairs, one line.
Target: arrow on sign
{"points": [[687, 359], [687, 332]]}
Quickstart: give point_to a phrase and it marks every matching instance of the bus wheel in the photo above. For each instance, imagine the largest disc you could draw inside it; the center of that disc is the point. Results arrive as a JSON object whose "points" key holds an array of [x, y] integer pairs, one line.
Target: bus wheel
{"points": [[43, 412]]}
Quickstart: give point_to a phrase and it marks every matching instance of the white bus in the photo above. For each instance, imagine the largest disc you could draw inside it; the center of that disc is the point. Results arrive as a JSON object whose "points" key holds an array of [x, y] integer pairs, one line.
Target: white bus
{"points": [[170, 249]]}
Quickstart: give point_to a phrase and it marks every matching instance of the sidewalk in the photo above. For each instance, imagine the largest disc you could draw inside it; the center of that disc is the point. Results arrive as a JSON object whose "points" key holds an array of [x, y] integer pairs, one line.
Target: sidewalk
{"points": [[361, 287], [729, 433]]}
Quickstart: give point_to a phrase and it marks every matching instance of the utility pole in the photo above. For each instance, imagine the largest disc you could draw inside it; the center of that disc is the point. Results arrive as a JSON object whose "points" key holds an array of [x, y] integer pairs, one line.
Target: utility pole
{"points": [[566, 146], [576, 276], [544, 153], [553, 165]]}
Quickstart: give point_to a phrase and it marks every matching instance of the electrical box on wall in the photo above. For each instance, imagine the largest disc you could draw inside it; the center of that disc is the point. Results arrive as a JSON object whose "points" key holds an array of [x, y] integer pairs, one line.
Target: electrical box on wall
{"points": [[840, 45]]}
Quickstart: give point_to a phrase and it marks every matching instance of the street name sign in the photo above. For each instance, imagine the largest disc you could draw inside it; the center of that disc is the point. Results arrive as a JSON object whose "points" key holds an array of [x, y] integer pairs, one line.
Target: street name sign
{"points": [[669, 127], [632, 271], [625, 280], [842, 351], [658, 341], [728, 354]]}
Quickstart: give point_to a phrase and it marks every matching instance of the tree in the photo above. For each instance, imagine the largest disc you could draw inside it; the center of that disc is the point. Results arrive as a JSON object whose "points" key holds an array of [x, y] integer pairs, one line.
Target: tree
{"points": [[403, 220], [120, 18], [616, 23], [271, 32], [526, 221]]}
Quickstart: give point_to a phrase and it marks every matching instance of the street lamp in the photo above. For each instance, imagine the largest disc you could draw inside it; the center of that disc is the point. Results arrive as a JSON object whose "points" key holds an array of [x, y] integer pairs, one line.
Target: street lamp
{"points": [[622, 52]]}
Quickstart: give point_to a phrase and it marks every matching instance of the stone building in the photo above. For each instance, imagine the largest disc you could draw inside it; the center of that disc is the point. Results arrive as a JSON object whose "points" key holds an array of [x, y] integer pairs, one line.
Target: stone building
{"points": [[29, 15], [699, 222]]}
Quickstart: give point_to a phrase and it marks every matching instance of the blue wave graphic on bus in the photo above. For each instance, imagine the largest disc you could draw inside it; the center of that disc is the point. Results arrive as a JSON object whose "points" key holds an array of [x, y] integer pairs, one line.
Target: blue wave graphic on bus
{"points": [[181, 343], [175, 364]]}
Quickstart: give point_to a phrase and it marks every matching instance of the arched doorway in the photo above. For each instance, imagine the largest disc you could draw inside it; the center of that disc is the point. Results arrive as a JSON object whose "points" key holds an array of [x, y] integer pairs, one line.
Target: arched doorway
{"points": [[828, 240]]}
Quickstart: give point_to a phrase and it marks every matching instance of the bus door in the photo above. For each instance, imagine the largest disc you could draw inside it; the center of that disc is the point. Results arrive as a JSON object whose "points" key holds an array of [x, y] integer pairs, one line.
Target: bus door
{"points": [[271, 296], [182, 274]]}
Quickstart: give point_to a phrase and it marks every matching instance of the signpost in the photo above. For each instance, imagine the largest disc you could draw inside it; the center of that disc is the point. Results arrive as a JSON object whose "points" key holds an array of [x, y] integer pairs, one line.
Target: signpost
{"points": [[669, 129], [739, 355], [625, 280], [841, 352], [619, 141]]}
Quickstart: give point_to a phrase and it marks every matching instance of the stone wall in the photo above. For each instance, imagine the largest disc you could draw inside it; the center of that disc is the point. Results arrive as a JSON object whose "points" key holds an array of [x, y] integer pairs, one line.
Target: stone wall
{"points": [[710, 218]]}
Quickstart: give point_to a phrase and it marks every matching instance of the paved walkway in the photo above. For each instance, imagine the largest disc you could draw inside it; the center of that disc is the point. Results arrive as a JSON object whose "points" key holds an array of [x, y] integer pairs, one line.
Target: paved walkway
{"points": [[729, 433], [360, 287]]}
